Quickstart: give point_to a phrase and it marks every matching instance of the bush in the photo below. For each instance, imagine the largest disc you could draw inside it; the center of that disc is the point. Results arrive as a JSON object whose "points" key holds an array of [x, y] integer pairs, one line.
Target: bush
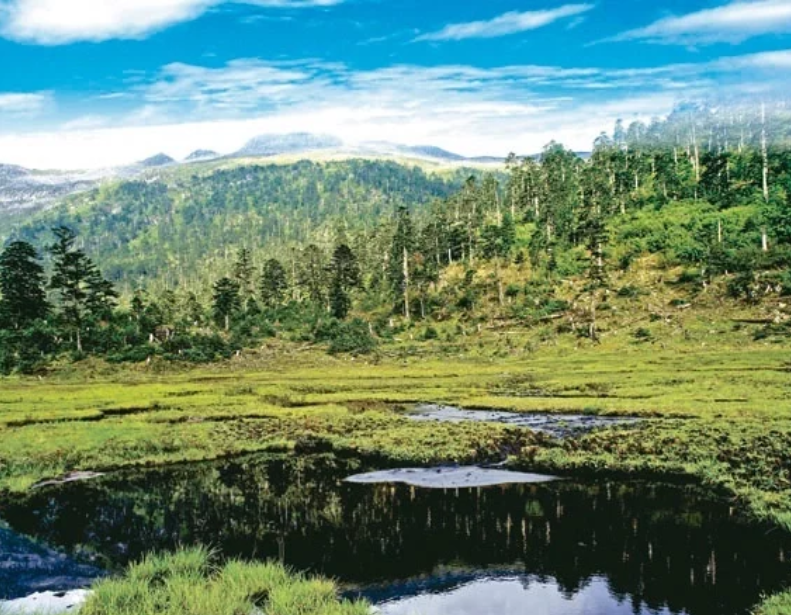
{"points": [[430, 334], [353, 337]]}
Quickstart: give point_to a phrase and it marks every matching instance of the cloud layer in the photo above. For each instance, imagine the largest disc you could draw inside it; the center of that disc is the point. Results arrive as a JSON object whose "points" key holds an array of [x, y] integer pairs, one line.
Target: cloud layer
{"points": [[468, 109], [57, 22], [730, 23], [508, 23]]}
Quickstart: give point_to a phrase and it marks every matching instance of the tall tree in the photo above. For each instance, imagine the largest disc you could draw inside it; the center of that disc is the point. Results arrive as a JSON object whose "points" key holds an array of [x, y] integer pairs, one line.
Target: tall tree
{"points": [[23, 296], [403, 243], [274, 283], [312, 274], [226, 302], [345, 276], [82, 291], [243, 272]]}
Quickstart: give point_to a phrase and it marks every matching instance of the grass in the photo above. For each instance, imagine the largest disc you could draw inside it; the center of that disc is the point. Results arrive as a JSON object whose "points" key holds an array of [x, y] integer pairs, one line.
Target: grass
{"points": [[189, 583], [719, 404]]}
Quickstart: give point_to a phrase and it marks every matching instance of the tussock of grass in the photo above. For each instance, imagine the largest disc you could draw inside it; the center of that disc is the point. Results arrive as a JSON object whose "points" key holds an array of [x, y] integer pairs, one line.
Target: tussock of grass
{"points": [[189, 583]]}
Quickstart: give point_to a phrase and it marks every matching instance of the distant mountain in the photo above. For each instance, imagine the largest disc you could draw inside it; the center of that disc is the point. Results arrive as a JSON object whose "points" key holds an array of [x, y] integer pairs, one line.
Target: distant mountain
{"points": [[294, 143], [22, 189], [201, 155], [430, 151], [160, 160]]}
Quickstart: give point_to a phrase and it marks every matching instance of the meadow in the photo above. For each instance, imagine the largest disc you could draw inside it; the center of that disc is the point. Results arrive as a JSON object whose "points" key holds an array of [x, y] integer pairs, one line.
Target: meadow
{"points": [[715, 401]]}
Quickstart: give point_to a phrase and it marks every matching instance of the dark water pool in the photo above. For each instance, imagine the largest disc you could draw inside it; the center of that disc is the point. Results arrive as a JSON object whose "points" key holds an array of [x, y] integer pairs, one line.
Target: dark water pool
{"points": [[544, 549]]}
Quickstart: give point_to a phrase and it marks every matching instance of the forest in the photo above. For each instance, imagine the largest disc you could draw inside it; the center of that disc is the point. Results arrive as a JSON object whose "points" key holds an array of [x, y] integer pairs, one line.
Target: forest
{"points": [[353, 254]]}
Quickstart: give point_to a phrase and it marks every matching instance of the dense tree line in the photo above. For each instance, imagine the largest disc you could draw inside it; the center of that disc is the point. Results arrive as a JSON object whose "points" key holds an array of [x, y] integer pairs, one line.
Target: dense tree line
{"points": [[704, 189]]}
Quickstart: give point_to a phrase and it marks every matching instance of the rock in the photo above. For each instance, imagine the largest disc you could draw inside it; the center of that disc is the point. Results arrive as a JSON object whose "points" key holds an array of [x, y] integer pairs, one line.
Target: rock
{"points": [[46, 603]]}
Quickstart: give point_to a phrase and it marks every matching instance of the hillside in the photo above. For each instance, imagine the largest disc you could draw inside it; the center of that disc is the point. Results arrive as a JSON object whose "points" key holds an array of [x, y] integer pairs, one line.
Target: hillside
{"points": [[185, 224]]}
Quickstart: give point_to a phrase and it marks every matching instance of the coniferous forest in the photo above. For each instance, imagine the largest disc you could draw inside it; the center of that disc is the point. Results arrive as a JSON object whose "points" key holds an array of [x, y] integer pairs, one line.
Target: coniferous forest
{"points": [[352, 253]]}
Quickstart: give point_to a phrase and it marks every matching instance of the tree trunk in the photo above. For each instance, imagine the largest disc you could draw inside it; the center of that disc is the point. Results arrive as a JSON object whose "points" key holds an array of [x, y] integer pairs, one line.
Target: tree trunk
{"points": [[500, 290], [764, 154], [406, 284]]}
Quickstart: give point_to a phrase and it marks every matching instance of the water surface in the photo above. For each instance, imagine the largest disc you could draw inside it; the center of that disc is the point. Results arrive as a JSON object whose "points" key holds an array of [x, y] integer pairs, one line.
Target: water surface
{"points": [[545, 549]]}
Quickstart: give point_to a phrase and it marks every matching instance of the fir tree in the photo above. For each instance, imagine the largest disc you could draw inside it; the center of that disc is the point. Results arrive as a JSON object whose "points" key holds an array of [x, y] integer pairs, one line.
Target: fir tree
{"points": [[345, 276], [226, 302], [22, 287], [274, 283]]}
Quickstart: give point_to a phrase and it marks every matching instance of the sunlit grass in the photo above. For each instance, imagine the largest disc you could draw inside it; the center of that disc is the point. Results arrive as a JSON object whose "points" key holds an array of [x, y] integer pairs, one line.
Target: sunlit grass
{"points": [[190, 582]]}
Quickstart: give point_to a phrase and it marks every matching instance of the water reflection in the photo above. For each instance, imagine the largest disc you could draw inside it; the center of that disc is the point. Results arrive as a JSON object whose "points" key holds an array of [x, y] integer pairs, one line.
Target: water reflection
{"points": [[611, 546]]}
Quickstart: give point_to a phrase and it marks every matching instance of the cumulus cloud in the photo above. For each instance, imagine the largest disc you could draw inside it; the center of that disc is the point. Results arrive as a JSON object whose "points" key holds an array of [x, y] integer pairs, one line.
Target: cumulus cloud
{"points": [[57, 22], [729, 23], [508, 23], [464, 108]]}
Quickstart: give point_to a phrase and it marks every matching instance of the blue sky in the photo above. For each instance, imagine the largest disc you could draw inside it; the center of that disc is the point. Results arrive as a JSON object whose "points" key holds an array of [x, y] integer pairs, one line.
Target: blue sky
{"points": [[87, 83]]}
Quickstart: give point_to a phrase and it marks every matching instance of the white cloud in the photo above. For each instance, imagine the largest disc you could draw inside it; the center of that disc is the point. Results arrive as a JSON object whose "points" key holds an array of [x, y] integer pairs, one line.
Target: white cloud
{"points": [[467, 109], [730, 23], [57, 22], [508, 23], [23, 103]]}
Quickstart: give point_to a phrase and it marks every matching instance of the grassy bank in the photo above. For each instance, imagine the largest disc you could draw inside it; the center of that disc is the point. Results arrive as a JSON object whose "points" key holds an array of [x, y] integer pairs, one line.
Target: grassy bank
{"points": [[189, 583], [718, 410]]}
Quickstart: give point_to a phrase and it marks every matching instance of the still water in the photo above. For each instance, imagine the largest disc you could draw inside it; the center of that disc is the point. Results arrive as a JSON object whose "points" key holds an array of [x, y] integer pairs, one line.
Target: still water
{"points": [[557, 548]]}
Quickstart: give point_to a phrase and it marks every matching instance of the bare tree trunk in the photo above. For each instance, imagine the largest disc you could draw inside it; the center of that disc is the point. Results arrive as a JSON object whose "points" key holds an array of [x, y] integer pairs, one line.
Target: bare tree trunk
{"points": [[764, 153], [406, 284], [79, 340], [719, 231], [764, 240], [500, 290]]}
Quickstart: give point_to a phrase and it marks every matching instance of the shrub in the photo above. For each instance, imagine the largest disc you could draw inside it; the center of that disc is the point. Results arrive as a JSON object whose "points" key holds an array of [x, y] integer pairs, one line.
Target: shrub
{"points": [[352, 337]]}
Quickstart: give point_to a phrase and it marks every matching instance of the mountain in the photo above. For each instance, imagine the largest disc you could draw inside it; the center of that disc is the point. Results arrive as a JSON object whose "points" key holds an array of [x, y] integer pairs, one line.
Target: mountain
{"points": [[294, 143], [430, 151], [201, 155], [24, 190], [160, 160], [188, 225]]}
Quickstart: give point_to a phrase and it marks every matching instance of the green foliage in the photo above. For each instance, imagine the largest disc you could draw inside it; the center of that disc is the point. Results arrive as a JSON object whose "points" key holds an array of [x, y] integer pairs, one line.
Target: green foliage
{"points": [[22, 287], [353, 337]]}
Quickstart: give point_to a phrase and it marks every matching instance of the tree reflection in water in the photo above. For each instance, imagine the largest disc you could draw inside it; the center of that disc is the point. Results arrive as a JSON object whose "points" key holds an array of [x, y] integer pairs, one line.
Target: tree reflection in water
{"points": [[652, 546]]}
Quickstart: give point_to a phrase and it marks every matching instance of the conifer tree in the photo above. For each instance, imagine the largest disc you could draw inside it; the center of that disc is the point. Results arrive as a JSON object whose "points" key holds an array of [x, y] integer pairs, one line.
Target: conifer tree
{"points": [[22, 287], [274, 283], [345, 272], [226, 302]]}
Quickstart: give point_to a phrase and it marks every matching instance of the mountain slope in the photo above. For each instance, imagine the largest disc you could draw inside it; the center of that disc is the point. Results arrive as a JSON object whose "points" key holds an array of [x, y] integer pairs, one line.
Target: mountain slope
{"points": [[184, 225]]}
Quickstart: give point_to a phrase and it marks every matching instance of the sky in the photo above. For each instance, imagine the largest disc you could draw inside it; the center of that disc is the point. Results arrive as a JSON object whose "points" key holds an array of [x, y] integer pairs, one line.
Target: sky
{"points": [[96, 83]]}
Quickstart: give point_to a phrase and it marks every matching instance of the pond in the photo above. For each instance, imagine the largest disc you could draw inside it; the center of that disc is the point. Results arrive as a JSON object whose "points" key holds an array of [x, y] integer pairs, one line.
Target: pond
{"points": [[558, 425], [548, 548]]}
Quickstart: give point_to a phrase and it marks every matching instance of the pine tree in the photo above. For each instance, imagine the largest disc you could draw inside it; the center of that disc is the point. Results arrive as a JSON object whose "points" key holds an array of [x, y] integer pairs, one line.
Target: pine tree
{"points": [[345, 272], [82, 290], [313, 274], [243, 272], [22, 287], [274, 283], [226, 302]]}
